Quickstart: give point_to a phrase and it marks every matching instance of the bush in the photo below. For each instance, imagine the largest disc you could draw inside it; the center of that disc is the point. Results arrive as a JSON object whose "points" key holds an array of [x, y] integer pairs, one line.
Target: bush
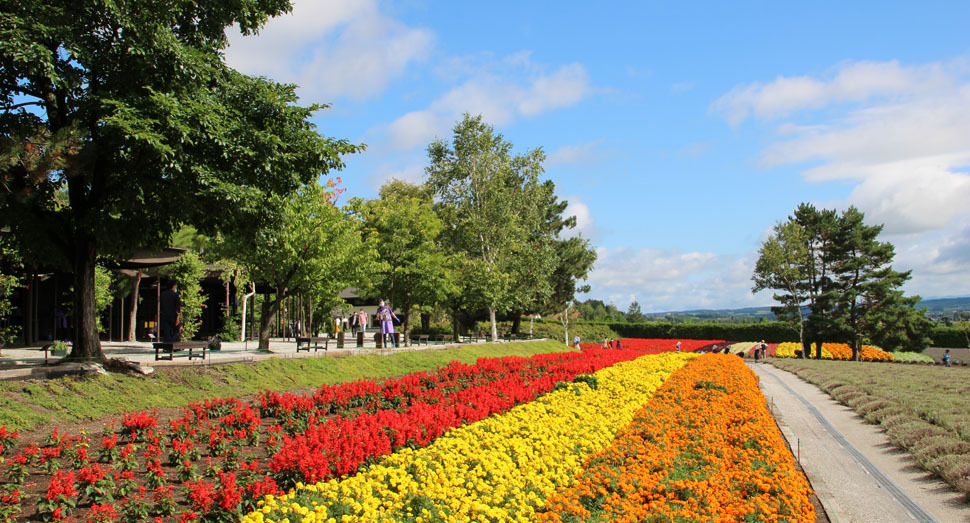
{"points": [[950, 337], [770, 331], [911, 357]]}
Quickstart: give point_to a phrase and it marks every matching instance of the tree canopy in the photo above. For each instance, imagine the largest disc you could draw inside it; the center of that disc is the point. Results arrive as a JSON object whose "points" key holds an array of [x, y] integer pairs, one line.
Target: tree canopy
{"points": [[835, 278], [121, 120]]}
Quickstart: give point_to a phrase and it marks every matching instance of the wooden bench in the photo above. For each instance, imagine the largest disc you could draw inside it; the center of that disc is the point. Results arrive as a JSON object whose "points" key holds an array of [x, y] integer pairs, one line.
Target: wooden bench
{"points": [[418, 338], [305, 343], [196, 349], [443, 338]]}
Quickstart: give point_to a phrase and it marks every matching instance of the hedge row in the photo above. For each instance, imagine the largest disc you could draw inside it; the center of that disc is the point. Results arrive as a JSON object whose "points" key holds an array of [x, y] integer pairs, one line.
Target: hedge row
{"points": [[950, 337], [771, 332]]}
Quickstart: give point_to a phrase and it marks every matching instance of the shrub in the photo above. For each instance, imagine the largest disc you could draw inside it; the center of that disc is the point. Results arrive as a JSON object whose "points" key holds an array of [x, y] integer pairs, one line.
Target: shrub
{"points": [[908, 434], [955, 469], [928, 450]]}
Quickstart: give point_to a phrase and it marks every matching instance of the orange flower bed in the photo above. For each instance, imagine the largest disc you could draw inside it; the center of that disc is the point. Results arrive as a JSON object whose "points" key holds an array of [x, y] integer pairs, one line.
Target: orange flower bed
{"points": [[704, 448], [842, 351]]}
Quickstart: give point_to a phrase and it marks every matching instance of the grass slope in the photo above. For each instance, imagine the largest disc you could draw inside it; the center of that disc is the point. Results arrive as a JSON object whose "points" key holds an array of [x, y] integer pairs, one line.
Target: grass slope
{"points": [[27, 405], [922, 408]]}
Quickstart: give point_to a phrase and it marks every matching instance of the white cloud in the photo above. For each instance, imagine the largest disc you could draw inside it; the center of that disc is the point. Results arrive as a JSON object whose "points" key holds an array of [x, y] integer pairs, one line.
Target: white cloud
{"points": [[852, 82], [576, 153], [585, 224], [898, 137], [332, 48], [500, 90], [668, 280]]}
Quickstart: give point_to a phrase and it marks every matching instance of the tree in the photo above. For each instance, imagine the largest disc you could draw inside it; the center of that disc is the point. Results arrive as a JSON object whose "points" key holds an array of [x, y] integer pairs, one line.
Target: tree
{"points": [[783, 262], [833, 265], [869, 297], [574, 259], [634, 314], [187, 272], [401, 225], [10, 266], [486, 197], [819, 231], [309, 246], [129, 109]]}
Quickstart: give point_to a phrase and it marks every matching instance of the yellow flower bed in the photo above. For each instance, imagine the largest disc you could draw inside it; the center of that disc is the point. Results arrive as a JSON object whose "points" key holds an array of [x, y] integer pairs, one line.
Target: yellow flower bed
{"points": [[499, 469], [835, 351], [745, 346]]}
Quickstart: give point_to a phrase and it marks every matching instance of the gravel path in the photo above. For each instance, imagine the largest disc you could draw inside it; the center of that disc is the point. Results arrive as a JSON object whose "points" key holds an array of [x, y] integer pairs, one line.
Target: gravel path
{"points": [[857, 475]]}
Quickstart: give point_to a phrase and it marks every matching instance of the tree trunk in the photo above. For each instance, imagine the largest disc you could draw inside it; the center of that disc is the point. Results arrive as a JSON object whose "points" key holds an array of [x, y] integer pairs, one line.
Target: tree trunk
{"points": [[491, 317], [133, 310], [565, 324], [516, 322], [454, 323], [818, 350], [856, 349], [406, 335], [29, 309], [270, 308], [426, 321], [86, 345]]}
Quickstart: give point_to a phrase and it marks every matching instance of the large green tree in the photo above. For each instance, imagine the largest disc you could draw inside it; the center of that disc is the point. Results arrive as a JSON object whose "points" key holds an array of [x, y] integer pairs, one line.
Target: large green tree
{"points": [[783, 264], [834, 266], [310, 246], [490, 202], [413, 271], [870, 301], [150, 128]]}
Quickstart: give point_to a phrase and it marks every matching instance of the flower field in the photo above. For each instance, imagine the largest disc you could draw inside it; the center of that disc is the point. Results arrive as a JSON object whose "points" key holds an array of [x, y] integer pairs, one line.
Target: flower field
{"points": [[657, 346], [220, 456], [503, 439], [704, 448], [500, 469]]}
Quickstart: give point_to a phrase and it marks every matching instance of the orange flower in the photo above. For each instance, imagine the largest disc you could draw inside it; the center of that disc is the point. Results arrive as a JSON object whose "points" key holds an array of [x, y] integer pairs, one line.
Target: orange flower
{"points": [[704, 448]]}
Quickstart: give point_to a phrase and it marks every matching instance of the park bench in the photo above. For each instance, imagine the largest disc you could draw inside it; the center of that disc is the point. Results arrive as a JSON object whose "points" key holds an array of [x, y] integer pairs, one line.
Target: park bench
{"points": [[167, 350], [473, 337], [418, 338], [443, 338], [304, 343]]}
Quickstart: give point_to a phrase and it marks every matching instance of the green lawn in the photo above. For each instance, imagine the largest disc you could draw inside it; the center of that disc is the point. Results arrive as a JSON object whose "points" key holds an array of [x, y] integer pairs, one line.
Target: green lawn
{"points": [[27, 405], [923, 409]]}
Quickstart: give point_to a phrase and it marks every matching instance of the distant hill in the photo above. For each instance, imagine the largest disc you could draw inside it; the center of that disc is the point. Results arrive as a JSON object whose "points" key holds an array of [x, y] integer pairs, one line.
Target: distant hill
{"points": [[935, 307], [946, 305]]}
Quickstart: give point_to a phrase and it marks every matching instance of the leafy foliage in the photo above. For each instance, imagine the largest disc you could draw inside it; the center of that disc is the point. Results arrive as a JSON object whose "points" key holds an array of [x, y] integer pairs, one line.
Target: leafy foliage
{"points": [[128, 110], [188, 272]]}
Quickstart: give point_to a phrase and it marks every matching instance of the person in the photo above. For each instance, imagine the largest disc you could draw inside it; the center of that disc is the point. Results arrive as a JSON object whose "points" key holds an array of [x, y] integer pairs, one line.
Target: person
{"points": [[170, 312], [387, 318], [362, 321], [757, 353], [576, 341], [764, 350], [353, 324], [336, 325], [678, 346], [618, 345], [946, 358]]}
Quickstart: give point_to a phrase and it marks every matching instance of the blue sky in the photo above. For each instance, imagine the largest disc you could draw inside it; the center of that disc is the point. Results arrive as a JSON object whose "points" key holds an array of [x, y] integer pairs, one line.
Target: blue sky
{"points": [[679, 133]]}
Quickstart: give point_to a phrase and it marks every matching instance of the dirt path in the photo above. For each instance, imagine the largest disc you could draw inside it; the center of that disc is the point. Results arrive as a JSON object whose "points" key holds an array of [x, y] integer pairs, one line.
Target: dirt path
{"points": [[857, 474]]}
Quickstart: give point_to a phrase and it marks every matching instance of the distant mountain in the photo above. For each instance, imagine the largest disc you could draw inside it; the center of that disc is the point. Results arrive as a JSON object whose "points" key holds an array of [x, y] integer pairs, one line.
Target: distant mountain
{"points": [[934, 307], [946, 305]]}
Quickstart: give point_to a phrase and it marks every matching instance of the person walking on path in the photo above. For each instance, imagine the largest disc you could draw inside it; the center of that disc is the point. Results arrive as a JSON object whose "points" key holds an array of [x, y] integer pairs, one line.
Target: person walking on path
{"points": [[170, 310], [387, 318], [764, 350], [362, 321]]}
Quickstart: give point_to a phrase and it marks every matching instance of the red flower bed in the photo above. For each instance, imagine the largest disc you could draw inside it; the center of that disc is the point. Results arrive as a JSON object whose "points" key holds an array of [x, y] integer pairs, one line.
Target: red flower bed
{"points": [[219, 456], [657, 346], [414, 410]]}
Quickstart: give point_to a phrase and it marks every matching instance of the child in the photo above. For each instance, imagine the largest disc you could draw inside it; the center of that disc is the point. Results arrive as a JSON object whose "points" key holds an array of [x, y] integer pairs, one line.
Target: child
{"points": [[946, 358]]}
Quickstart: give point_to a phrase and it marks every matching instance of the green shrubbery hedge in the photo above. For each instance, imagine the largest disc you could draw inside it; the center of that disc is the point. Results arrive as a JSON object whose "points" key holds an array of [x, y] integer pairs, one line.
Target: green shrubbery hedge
{"points": [[950, 337], [771, 332]]}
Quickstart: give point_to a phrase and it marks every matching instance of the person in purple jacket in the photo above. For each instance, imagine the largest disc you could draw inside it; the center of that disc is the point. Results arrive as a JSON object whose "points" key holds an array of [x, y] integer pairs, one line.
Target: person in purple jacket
{"points": [[387, 318]]}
